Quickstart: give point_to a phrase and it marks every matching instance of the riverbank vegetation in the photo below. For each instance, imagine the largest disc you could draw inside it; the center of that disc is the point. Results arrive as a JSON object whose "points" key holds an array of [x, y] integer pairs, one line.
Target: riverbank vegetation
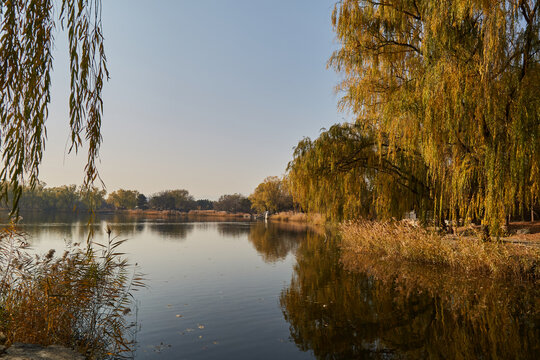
{"points": [[79, 299], [445, 100], [298, 217], [398, 241]]}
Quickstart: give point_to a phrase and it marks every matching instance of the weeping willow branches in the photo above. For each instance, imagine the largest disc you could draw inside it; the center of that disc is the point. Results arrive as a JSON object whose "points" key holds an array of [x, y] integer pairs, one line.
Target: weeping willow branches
{"points": [[26, 41], [453, 85], [344, 174]]}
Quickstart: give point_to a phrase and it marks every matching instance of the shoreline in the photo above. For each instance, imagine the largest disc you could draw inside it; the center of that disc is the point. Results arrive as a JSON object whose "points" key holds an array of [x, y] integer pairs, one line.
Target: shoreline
{"points": [[513, 257], [213, 214]]}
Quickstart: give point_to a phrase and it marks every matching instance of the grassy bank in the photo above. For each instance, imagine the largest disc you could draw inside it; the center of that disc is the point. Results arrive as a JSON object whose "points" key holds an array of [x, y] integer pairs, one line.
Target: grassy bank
{"points": [[400, 241]]}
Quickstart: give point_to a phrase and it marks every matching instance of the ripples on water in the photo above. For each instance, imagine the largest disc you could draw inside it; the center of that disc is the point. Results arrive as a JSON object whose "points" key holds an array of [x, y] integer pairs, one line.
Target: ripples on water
{"points": [[266, 291]]}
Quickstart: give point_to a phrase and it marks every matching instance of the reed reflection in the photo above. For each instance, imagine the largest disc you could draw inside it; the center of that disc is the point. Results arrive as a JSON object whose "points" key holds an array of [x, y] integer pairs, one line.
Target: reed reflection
{"points": [[343, 308]]}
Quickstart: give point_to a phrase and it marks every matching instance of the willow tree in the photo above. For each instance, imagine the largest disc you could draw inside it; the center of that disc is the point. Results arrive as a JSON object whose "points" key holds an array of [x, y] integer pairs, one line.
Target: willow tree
{"points": [[343, 174], [456, 82], [272, 195], [27, 29]]}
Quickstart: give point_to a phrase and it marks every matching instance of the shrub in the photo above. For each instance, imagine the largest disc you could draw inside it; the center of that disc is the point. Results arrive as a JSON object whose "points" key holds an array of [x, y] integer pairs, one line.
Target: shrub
{"points": [[79, 300]]}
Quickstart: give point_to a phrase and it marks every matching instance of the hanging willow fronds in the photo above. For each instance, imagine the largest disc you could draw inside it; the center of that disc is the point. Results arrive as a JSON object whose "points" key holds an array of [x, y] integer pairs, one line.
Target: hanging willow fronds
{"points": [[26, 43], [347, 173], [456, 82]]}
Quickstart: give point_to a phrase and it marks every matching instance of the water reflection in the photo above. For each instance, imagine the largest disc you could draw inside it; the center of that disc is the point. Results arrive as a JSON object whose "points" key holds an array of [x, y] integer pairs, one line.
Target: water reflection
{"points": [[373, 312], [174, 231], [235, 230], [70, 226], [275, 241]]}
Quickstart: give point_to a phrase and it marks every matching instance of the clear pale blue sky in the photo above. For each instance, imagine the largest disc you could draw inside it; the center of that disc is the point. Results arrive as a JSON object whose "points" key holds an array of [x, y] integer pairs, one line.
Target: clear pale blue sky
{"points": [[205, 95]]}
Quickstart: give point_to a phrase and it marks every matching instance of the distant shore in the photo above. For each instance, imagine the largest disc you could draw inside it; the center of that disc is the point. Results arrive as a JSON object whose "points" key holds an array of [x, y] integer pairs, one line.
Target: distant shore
{"points": [[286, 216], [148, 213], [214, 214]]}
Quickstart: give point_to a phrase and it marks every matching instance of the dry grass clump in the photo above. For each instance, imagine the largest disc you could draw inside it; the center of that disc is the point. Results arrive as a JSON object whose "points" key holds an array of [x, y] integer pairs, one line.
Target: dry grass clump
{"points": [[79, 300], [406, 241], [292, 216], [289, 216]]}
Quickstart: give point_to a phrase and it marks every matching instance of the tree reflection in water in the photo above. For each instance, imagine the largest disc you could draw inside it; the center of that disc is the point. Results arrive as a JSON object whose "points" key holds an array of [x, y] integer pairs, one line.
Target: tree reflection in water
{"points": [[171, 231], [233, 229], [274, 241], [343, 307]]}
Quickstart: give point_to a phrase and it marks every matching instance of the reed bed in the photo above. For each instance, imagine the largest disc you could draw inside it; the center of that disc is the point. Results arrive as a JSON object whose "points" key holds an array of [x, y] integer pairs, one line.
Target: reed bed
{"points": [[292, 216], [405, 241], [79, 300]]}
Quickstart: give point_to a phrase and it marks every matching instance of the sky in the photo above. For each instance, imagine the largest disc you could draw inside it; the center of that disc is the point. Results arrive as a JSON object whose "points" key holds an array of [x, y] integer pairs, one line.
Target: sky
{"points": [[210, 96]]}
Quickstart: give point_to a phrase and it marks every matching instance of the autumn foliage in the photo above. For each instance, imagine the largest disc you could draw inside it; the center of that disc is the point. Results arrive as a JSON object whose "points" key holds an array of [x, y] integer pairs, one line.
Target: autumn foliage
{"points": [[445, 99]]}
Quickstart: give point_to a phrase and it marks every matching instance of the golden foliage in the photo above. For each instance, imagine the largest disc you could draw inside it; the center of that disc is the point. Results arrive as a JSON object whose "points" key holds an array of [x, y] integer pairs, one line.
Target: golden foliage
{"points": [[271, 195], [443, 92]]}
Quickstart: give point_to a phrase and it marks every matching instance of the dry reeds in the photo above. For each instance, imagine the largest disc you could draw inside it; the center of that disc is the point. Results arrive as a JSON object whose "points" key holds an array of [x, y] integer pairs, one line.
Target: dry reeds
{"points": [[291, 216], [79, 300], [405, 241]]}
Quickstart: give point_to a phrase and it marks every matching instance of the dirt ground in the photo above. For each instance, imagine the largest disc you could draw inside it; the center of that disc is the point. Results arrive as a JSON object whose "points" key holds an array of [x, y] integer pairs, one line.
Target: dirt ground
{"points": [[533, 229], [518, 231]]}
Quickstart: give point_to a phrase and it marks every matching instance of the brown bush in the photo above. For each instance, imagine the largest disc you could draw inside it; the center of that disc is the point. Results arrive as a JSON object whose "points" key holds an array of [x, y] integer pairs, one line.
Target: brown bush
{"points": [[78, 300]]}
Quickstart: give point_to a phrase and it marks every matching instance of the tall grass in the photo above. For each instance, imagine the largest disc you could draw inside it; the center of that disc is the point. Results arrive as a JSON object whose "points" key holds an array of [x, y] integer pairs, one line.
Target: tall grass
{"points": [[79, 299], [404, 241], [292, 216]]}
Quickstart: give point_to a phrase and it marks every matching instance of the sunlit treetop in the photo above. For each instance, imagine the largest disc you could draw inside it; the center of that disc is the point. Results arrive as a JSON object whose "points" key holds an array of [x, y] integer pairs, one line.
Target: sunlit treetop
{"points": [[271, 195], [27, 31]]}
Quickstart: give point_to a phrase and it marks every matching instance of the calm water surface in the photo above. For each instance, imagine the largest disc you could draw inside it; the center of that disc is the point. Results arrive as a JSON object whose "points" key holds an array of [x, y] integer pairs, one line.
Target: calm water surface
{"points": [[241, 290]]}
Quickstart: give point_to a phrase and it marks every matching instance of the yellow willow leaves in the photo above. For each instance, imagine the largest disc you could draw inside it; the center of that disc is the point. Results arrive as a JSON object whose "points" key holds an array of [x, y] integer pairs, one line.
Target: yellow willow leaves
{"points": [[450, 92]]}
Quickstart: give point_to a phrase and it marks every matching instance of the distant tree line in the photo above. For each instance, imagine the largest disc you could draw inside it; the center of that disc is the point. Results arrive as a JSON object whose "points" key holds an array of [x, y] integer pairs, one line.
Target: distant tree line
{"points": [[61, 198], [271, 195]]}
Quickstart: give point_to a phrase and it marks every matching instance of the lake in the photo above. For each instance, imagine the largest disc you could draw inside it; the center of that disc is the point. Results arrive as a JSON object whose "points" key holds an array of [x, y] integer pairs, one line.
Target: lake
{"points": [[245, 290]]}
